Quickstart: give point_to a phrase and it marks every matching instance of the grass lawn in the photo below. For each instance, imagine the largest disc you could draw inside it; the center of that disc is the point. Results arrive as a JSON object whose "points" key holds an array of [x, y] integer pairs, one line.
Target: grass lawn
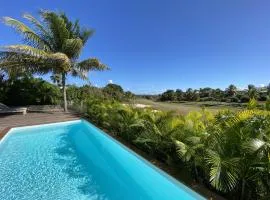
{"points": [[186, 107]]}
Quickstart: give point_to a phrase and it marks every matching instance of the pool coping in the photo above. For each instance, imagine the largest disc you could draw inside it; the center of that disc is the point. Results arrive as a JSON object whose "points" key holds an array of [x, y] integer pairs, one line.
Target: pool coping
{"points": [[4, 132]]}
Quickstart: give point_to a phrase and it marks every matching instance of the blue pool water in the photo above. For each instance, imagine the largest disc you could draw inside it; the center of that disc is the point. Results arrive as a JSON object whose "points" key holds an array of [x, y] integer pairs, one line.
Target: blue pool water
{"points": [[75, 160]]}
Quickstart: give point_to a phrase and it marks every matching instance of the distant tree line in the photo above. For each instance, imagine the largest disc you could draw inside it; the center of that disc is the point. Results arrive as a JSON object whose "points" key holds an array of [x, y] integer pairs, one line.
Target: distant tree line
{"points": [[24, 89], [230, 94], [110, 91]]}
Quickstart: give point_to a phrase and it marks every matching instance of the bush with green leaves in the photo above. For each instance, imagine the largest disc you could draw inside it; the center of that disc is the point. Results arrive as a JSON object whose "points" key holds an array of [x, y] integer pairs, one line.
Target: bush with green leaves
{"points": [[29, 91], [252, 104], [237, 157], [244, 99]]}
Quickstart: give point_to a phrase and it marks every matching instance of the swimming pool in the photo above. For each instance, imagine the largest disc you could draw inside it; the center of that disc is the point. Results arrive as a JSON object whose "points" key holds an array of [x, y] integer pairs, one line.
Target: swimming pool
{"points": [[76, 160]]}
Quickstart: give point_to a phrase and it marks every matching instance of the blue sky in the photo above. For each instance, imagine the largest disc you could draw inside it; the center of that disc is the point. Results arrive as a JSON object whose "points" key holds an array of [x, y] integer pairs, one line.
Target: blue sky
{"points": [[154, 45]]}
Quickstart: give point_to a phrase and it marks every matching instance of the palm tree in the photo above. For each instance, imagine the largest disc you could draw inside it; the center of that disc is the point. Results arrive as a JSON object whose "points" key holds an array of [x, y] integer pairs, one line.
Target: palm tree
{"points": [[231, 90], [252, 92], [52, 45]]}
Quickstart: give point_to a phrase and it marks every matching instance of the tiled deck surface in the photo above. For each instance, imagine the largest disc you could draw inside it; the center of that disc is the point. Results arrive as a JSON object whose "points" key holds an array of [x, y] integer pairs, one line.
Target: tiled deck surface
{"points": [[9, 121]]}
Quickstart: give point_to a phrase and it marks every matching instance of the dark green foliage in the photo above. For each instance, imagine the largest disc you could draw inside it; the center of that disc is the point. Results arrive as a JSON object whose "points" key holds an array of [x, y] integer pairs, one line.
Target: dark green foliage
{"points": [[2, 87], [231, 90], [179, 95], [77, 94], [115, 91], [262, 96], [267, 104], [169, 95], [244, 99], [205, 92], [129, 95], [233, 99], [192, 95], [29, 91]]}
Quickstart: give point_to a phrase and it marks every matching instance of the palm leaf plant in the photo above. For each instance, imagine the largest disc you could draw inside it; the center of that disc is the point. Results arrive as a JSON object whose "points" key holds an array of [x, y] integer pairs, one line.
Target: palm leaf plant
{"points": [[53, 45], [191, 137], [126, 122], [157, 137], [237, 153]]}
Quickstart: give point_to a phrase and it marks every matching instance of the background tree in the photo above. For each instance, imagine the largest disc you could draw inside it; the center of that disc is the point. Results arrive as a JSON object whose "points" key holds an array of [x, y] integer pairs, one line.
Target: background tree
{"points": [[218, 94], [29, 91], [268, 89], [192, 95], [252, 92], [52, 45], [115, 91], [169, 95], [231, 90], [129, 95], [179, 94], [205, 92]]}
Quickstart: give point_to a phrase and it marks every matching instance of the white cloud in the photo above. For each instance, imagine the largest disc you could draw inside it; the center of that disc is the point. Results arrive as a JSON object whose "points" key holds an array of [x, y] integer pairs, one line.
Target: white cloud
{"points": [[110, 81], [261, 85]]}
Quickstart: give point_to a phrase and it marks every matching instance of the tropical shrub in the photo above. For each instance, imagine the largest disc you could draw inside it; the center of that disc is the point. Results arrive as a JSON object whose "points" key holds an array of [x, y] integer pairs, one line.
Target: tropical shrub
{"points": [[244, 99], [233, 99], [267, 105], [252, 104], [238, 148], [29, 91]]}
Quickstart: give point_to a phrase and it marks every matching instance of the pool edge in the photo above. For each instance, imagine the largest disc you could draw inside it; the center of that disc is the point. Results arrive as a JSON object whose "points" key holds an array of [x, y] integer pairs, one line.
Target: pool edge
{"points": [[5, 132], [8, 131]]}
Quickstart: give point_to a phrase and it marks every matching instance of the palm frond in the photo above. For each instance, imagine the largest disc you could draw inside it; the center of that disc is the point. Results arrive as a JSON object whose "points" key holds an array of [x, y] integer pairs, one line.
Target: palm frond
{"points": [[85, 34], [92, 64], [72, 47], [38, 26], [30, 37], [183, 151], [223, 171], [24, 49], [58, 28], [79, 73]]}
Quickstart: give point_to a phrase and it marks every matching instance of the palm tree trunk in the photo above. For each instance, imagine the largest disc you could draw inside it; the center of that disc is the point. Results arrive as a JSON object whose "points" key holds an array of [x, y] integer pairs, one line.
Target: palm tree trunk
{"points": [[64, 91], [196, 171], [243, 189]]}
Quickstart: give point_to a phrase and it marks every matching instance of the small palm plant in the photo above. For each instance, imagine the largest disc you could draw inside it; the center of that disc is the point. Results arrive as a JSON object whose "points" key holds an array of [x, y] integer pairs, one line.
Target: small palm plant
{"points": [[51, 45], [191, 138], [252, 104], [157, 137], [238, 153]]}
